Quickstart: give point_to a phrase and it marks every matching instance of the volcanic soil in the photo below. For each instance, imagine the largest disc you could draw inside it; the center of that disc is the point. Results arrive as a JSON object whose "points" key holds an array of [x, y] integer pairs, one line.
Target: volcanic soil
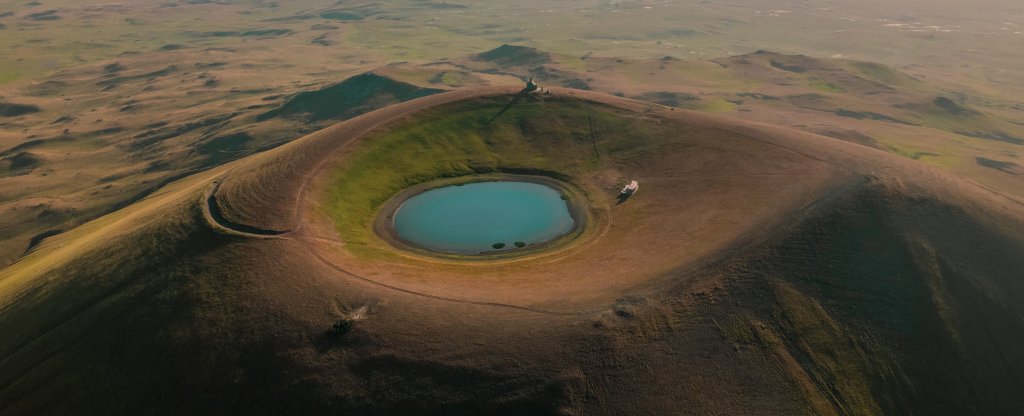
{"points": [[760, 270]]}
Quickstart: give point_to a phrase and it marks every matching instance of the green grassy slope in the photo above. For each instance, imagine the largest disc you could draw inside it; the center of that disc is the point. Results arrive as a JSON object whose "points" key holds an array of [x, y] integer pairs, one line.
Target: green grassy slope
{"points": [[551, 136]]}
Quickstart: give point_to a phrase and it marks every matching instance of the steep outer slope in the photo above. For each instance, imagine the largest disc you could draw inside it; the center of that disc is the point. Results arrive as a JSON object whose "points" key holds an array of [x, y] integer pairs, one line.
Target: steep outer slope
{"points": [[759, 271]]}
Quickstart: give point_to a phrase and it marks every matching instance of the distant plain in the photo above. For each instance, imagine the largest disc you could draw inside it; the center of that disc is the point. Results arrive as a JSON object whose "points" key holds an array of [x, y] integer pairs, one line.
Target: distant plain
{"points": [[103, 104]]}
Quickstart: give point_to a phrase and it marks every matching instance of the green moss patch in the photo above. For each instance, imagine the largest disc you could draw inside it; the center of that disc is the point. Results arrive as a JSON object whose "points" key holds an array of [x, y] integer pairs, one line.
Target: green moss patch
{"points": [[556, 137]]}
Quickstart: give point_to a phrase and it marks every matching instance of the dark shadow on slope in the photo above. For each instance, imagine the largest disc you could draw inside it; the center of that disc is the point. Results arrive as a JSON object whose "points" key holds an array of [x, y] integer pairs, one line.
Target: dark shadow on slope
{"points": [[22, 163], [352, 97], [37, 239], [510, 55], [218, 216], [406, 386], [899, 304], [14, 110], [999, 165], [523, 93], [953, 108]]}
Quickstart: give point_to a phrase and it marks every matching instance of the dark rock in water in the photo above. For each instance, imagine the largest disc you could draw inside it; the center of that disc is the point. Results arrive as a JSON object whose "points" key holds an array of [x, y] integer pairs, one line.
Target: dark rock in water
{"points": [[510, 55], [352, 97], [14, 110]]}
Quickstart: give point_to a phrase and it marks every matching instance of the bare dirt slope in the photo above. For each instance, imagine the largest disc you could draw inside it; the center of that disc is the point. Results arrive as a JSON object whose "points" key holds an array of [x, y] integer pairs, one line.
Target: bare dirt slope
{"points": [[760, 271]]}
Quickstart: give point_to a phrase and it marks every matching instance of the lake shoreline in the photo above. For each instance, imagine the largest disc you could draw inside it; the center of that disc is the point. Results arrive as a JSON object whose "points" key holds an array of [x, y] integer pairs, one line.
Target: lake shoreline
{"points": [[575, 202]]}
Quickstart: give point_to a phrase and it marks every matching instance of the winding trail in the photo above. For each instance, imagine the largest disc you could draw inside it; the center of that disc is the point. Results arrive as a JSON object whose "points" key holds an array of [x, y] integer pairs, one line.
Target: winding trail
{"points": [[214, 216], [435, 297]]}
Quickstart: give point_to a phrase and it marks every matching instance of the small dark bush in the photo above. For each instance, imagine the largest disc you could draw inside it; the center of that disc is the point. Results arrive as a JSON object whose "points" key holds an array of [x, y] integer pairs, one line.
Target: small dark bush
{"points": [[342, 327]]}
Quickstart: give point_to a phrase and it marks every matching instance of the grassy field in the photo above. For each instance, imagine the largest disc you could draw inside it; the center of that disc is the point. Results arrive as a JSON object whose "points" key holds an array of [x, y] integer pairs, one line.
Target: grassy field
{"points": [[123, 111]]}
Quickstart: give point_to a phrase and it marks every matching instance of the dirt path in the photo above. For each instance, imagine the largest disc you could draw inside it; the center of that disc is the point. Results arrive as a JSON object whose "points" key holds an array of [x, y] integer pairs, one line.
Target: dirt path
{"points": [[216, 219]]}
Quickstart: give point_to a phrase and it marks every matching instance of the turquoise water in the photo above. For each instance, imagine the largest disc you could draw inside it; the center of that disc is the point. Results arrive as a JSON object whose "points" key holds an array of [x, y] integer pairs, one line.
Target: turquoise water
{"points": [[471, 218]]}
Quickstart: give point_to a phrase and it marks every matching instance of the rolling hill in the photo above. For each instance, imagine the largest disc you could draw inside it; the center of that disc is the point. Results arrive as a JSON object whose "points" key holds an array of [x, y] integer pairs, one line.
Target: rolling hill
{"points": [[761, 270]]}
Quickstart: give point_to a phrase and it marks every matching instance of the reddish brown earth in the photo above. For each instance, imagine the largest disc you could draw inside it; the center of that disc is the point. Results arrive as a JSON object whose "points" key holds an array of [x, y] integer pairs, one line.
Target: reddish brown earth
{"points": [[760, 271]]}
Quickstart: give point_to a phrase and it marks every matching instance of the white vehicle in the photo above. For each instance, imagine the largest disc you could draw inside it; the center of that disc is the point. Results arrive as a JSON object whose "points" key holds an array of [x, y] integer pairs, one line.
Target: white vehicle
{"points": [[630, 189]]}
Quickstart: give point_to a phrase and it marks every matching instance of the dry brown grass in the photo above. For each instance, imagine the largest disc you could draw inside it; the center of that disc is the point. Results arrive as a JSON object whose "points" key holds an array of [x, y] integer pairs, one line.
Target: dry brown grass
{"points": [[738, 282]]}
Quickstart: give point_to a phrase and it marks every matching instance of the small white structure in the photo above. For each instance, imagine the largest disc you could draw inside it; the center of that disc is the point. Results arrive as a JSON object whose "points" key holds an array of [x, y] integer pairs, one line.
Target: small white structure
{"points": [[630, 189]]}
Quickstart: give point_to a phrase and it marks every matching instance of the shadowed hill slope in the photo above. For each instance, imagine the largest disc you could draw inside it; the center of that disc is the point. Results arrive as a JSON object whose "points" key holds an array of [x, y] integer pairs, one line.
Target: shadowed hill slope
{"points": [[885, 94], [772, 272], [14, 110], [348, 98], [511, 55]]}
